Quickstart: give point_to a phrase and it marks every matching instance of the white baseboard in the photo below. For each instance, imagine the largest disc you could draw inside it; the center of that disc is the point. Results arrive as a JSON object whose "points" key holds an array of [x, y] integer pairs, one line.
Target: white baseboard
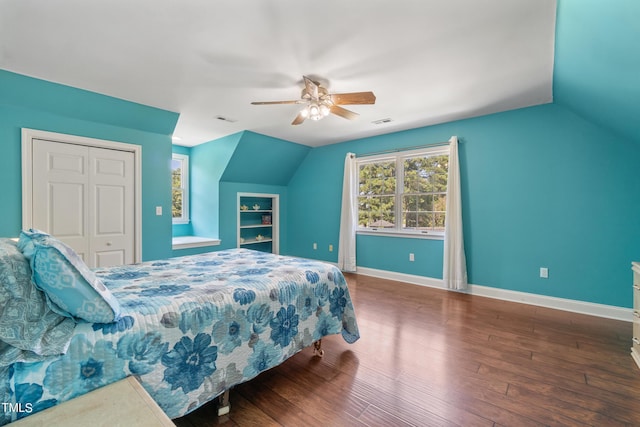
{"points": [[592, 309]]}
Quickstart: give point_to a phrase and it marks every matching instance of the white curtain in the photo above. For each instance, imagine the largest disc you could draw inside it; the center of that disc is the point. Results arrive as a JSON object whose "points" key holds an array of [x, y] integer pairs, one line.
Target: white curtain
{"points": [[454, 269], [348, 217]]}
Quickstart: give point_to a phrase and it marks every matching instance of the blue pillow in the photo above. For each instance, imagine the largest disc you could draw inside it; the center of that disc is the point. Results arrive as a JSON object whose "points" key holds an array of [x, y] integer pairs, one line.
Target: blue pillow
{"points": [[72, 289], [27, 323], [27, 237]]}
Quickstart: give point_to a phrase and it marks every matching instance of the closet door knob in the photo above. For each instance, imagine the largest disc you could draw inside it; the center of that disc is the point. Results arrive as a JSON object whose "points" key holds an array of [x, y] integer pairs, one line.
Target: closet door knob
{"points": [[109, 243]]}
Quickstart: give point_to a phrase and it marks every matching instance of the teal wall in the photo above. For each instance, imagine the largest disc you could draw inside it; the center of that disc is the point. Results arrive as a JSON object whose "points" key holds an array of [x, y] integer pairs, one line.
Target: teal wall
{"points": [[541, 187], [243, 162], [554, 186], [263, 159], [208, 163], [228, 215], [597, 62], [31, 103]]}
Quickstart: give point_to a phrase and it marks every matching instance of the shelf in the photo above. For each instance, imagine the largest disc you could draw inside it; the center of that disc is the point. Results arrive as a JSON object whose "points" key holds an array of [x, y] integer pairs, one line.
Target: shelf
{"points": [[251, 242], [253, 222]]}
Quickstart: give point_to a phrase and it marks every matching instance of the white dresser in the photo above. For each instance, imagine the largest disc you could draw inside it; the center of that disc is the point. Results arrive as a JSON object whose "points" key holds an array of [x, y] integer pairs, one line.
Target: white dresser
{"points": [[635, 349]]}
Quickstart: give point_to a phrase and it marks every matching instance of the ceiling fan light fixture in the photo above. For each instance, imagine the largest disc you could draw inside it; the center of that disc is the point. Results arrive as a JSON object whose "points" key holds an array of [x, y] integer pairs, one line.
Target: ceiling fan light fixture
{"points": [[315, 112], [319, 103]]}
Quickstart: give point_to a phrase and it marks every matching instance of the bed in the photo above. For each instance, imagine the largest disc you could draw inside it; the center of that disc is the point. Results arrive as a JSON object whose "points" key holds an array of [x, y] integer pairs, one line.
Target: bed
{"points": [[187, 328]]}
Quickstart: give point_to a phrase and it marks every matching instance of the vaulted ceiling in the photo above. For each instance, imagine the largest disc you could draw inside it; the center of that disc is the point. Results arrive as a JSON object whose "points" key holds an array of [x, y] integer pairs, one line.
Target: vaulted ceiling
{"points": [[426, 61], [597, 63]]}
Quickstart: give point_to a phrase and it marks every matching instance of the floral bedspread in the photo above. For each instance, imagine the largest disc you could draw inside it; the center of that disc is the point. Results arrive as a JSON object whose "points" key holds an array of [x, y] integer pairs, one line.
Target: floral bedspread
{"points": [[191, 328]]}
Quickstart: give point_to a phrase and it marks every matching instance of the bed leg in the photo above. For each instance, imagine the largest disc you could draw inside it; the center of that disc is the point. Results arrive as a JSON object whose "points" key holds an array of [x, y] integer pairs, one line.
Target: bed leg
{"points": [[317, 348], [223, 404]]}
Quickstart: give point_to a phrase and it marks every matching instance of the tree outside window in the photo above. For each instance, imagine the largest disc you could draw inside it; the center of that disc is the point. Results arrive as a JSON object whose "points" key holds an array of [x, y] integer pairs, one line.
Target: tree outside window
{"points": [[424, 197], [377, 200], [403, 192], [180, 188]]}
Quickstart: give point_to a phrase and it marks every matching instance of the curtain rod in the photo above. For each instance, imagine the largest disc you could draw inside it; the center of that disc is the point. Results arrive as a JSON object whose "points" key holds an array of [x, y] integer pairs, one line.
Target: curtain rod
{"points": [[396, 150]]}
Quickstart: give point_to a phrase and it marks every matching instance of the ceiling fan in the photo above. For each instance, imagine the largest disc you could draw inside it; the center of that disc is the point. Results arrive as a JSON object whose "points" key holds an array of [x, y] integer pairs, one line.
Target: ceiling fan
{"points": [[319, 103]]}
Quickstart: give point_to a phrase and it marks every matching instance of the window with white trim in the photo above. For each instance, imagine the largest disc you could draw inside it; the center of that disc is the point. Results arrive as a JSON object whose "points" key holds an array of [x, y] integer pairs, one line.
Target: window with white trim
{"points": [[403, 192], [180, 188]]}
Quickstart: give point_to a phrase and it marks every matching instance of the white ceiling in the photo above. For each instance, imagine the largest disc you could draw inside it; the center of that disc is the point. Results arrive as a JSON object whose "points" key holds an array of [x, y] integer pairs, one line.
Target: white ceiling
{"points": [[427, 61]]}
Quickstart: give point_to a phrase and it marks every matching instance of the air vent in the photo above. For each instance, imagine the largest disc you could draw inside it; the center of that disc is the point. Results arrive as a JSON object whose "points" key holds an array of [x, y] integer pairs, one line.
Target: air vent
{"points": [[226, 119], [381, 121]]}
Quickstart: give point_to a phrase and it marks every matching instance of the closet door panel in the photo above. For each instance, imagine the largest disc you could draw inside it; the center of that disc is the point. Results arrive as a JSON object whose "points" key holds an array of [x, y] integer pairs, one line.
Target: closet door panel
{"points": [[61, 193], [85, 196], [111, 186]]}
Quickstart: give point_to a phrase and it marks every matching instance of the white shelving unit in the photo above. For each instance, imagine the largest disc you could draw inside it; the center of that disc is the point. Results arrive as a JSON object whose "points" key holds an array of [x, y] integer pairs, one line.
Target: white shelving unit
{"points": [[258, 220]]}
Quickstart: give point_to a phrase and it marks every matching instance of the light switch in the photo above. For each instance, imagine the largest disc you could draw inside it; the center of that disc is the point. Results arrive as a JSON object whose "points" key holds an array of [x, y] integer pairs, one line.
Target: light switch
{"points": [[158, 210]]}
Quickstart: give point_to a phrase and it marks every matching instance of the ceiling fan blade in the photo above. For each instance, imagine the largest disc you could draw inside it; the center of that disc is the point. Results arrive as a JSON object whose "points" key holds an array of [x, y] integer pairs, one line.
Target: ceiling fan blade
{"points": [[312, 87], [297, 101], [353, 98], [343, 112], [298, 120]]}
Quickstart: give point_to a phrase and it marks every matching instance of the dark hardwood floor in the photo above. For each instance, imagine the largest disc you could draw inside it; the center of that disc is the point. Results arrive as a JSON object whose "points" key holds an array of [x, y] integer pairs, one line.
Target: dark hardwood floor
{"points": [[428, 357]]}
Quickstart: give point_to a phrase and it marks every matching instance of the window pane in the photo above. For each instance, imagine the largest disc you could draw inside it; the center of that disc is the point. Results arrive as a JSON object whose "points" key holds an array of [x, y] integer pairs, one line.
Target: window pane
{"points": [[176, 174], [415, 206], [176, 206], [425, 203], [425, 186], [376, 211], [176, 163], [414, 175], [410, 203], [180, 188], [421, 194], [426, 174], [438, 224], [377, 178], [436, 168], [439, 202], [425, 221], [410, 219]]}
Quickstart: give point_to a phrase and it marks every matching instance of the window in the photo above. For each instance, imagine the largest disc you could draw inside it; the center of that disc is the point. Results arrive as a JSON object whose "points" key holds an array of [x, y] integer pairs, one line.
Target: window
{"points": [[403, 192], [180, 188]]}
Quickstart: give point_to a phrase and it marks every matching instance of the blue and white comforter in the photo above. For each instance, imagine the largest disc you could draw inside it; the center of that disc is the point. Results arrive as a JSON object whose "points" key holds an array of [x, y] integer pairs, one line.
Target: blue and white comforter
{"points": [[191, 328]]}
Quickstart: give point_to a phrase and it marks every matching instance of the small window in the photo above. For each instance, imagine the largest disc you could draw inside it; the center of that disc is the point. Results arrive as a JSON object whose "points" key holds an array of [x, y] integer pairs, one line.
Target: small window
{"points": [[180, 188], [404, 192]]}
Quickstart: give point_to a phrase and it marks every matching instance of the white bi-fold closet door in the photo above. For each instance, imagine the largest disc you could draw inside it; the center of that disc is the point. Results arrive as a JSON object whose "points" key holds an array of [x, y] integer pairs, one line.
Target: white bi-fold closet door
{"points": [[84, 196]]}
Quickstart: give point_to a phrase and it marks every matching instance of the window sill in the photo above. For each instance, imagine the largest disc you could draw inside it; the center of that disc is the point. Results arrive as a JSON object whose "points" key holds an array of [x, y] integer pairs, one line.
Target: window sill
{"points": [[408, 235], [186, 242]]}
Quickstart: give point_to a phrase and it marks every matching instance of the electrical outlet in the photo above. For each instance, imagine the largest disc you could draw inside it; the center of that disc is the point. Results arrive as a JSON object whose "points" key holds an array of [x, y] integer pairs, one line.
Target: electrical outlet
{"points": [[412, 257], [544, 272], [330, 248], [315, 246]]}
